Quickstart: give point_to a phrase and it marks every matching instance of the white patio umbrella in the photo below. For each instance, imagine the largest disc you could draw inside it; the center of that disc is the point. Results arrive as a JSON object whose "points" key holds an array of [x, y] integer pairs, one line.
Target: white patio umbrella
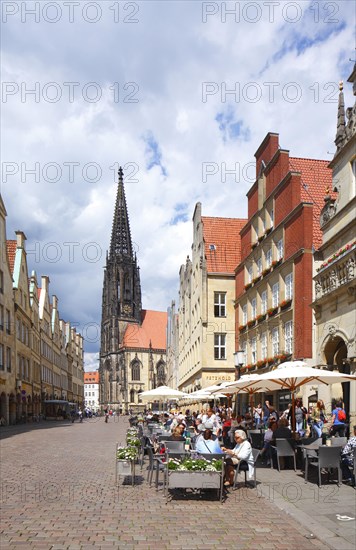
{"points": [[162, 393], [290, 375], [245, 384]]}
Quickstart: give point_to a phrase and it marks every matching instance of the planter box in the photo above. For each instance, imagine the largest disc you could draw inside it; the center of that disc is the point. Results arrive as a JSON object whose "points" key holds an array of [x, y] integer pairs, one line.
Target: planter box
{"points": [[194, 480], [124, 467]]}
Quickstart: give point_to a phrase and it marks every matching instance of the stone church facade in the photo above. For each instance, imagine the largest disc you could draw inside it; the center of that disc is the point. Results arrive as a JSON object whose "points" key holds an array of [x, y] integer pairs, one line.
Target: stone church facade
{"points": [[335, 280], [133, 340]]}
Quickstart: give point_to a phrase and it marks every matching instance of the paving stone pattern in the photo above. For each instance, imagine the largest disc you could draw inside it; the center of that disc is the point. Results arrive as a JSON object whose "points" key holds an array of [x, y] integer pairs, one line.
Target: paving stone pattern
{"points": [[58, 493]]}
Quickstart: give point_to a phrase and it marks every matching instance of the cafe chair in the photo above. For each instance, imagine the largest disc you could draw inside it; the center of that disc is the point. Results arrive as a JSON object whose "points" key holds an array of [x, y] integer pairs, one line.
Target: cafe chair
{"points": [[339, 441], [283, 448], [242, 466], [175, 446], [156, 464], [256, 439], [142, 452], [328, 457]]}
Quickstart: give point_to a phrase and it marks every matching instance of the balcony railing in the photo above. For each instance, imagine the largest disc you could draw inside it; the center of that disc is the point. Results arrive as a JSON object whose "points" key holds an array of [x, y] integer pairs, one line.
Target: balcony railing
{"points": [[336, 274]]}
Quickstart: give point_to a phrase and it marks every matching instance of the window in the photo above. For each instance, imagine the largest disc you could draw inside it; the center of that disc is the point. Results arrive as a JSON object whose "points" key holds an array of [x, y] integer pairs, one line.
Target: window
{"points": [[264, 302], [220, 304], [219, 346], [275, 295], [249, 274], [1, 317], [289, 286], [288, 336], [8, 359], [1, 282], [264, 345], [8, 321], [132, 396], [263, 225], [244, 314], [135, 371], [253, 350], [161, 373], [259, 266], [271, 215], [268, 257], [244, 349], [280, 250], [275, 341], [254, 308], [1, 357]]}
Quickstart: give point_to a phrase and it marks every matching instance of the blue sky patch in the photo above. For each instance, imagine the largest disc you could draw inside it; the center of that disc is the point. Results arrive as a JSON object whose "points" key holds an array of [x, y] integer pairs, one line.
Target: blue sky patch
{"points": [[153, 153], [230, 128]]}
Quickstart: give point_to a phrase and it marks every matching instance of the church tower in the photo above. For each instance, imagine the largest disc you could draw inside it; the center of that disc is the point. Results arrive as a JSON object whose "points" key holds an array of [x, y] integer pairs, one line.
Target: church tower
{"points": [[121, 298]]}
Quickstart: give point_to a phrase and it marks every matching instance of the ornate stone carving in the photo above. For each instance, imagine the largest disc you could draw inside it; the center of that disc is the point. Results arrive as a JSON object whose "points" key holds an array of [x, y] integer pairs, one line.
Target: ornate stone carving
{"points": [[328, 212], [350, 267], [333, 280], [318, 289], [331, 330], [350, 129]]}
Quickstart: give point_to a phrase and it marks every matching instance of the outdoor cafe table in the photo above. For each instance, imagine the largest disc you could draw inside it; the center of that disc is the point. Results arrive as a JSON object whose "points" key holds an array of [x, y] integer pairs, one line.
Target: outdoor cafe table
{"points": [[316, 445]]}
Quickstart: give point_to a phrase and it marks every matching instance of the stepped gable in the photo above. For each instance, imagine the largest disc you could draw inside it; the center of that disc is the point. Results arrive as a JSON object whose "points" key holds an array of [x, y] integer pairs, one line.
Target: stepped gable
{"points": [[11, 251]]}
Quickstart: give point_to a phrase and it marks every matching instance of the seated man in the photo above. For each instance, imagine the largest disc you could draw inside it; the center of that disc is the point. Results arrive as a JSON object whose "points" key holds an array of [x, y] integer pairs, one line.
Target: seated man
{"points": [[282, 431], [206, 444], [347, 458]]}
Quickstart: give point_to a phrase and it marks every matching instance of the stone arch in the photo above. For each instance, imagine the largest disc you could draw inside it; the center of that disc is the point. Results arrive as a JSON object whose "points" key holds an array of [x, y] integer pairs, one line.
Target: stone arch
{"points": [[161, 373], [335, 355], [12, 409], [135, 367], [4, 408], [132, 396]]}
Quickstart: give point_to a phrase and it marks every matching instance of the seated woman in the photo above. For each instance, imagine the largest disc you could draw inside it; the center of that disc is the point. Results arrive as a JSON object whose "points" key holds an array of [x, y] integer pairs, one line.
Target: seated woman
{"points": [[269, 433], [176, 434], [241, 451], [205, 444]]}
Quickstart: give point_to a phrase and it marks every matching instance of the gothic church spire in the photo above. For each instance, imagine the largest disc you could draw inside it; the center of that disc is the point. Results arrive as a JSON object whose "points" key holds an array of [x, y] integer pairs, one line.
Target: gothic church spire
{"points": [[121, 244]]}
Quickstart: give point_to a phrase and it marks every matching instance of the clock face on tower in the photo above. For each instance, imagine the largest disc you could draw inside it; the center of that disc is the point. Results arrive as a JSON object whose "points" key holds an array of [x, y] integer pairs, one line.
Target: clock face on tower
{"points": [[127, 309]]}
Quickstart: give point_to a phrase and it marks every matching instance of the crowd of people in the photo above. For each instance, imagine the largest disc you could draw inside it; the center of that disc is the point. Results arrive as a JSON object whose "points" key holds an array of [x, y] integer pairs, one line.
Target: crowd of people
{"points": [[221, 431]]}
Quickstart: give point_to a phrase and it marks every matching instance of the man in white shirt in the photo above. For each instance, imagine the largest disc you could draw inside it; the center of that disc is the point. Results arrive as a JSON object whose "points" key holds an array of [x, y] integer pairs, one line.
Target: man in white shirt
{"points": [[205, 443]]}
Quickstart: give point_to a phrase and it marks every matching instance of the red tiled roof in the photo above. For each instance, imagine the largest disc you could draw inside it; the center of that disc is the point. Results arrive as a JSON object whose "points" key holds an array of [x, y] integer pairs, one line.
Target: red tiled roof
{"points": [[152, 329], [222, 243], [11, 251], [316, 179], [39, 292], [91, 377]]}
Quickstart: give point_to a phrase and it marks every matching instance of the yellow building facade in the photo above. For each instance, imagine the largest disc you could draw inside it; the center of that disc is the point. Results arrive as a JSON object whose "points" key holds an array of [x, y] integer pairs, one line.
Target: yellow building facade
{"points": [[37, 348], [206, 325]]}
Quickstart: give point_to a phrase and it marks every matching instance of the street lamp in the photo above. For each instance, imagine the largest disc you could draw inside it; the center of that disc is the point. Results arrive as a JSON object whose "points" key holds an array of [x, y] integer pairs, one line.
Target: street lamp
{"points": [[239, 360]]}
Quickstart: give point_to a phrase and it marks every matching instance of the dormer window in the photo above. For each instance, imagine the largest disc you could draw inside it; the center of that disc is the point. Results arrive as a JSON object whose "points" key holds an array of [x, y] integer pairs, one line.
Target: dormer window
{"points": [[212, 247]]}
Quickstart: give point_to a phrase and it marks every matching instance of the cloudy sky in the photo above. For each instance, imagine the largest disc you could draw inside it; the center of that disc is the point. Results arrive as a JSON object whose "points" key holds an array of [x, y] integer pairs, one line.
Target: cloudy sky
{"points": [[177, 92]]}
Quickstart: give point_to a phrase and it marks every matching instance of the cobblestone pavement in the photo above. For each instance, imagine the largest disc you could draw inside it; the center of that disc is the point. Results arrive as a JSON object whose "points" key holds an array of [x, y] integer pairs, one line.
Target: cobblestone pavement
{"points": [[58, 492]]}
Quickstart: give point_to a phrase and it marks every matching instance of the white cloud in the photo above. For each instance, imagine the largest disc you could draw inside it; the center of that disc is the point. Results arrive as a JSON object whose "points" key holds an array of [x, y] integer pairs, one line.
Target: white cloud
{"points": [[168, 56]]}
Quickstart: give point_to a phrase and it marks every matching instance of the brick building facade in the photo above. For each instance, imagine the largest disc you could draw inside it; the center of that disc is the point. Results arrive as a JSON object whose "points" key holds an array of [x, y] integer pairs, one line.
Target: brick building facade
{"points": [[274, 279]]}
